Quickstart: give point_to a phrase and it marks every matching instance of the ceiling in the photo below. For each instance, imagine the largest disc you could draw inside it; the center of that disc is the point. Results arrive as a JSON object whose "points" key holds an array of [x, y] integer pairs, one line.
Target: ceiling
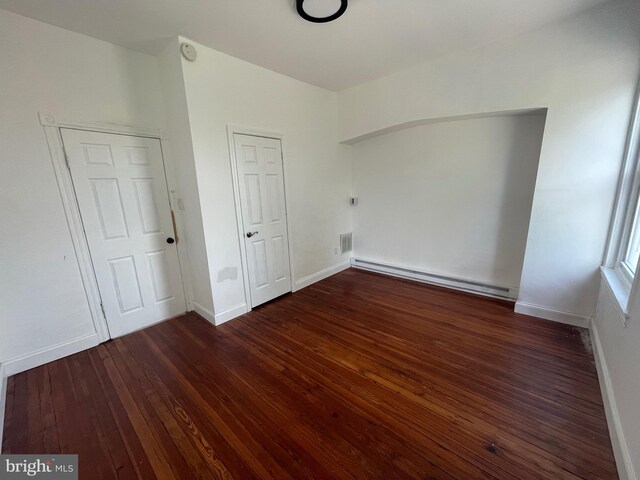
{"points": [[372, 39]]}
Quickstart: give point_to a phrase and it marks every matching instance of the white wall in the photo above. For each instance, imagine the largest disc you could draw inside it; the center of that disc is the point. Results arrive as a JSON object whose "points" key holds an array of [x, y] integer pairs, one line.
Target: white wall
{"points": [[620, 349], [44, 68], [451, 198], [585, 71], [179, 148], [223, 90]]}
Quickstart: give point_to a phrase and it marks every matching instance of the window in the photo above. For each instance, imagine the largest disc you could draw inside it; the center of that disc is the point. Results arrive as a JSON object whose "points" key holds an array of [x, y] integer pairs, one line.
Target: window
{"points": [[628, 248], [623, 254], [630, 259]]}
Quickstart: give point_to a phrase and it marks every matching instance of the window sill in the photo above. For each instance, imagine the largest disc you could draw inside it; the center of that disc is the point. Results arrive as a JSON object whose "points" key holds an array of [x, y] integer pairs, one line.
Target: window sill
{"points": [[619, 291]]}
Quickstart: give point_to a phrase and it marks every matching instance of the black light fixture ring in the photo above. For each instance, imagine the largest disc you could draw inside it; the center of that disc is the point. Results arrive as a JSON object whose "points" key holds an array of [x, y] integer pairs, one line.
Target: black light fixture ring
{"points": [[330, 18]]}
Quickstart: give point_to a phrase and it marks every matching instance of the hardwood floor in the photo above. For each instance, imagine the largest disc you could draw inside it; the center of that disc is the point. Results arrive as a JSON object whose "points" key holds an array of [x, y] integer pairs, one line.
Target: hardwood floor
{"points": [[357, 376]]}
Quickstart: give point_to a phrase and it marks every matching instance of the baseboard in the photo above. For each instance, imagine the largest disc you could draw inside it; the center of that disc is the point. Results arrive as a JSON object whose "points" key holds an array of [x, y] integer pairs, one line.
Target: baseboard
{"points": [[3, 400], [618, 442], [553, 315], [233, 312], [230, 314], [321, 275], [37, 358], [49, 354], [204, 312], [460, 284]]}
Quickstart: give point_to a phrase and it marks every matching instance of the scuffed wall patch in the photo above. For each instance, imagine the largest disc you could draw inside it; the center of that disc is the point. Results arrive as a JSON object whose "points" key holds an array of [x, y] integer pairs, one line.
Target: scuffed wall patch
{"points": [[229, 273]]}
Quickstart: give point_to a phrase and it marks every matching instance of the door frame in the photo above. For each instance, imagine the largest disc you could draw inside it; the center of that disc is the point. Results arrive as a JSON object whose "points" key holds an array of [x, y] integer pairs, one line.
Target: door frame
{"points": [[52, 125], [256, 132]]}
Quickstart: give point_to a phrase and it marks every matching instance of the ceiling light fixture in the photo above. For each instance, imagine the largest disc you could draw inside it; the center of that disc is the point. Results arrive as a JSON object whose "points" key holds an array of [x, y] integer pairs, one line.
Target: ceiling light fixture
{"points": [[310, 18]]}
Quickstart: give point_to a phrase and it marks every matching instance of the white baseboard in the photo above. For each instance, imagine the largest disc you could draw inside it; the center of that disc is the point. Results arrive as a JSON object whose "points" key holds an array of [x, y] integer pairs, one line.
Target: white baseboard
{"points": [[230, 314], [553, 315], [321, 275], [460, 284], [3, 400], [49, 354], [37, 358], [618, 442], [233, 312], [204, 312]]}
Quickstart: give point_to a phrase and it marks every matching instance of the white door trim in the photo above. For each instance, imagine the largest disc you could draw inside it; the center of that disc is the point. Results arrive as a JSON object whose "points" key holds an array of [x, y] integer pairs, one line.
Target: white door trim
{"points": [[52, 126], [231, 131], [51, 120]]}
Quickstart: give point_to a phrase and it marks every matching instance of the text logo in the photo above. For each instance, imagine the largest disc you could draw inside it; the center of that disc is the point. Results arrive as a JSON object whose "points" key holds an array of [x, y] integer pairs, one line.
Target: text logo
{"points": [[51, 467]]}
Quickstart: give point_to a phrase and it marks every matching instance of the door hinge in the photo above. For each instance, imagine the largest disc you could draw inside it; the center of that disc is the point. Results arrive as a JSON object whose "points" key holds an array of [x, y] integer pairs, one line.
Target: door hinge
{"points": [[103, 313]]}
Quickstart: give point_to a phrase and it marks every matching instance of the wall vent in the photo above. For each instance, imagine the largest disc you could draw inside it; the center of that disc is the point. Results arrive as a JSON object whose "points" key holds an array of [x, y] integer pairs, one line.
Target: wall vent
{"points": [[346, 242]]}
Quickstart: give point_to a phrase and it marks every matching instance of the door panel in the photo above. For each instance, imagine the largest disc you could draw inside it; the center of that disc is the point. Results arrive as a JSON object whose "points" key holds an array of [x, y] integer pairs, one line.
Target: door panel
{"points": [[274, 183], [147, 205], [254, 199], [261, 273], [159, 269], [249, 154], [138, 155], [126, 283], [279, 265], [97, 154], [121, 189], [262, 203], [108, 204]]}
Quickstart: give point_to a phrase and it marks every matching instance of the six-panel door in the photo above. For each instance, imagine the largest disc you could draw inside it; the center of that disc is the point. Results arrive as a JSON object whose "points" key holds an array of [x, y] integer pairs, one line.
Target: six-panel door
{"points": [[264, 216], [122, 193]]}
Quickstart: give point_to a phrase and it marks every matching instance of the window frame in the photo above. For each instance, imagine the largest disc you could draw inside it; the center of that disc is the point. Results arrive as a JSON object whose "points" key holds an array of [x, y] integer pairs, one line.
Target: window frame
{"points": [[630, 228], [626, 218]]}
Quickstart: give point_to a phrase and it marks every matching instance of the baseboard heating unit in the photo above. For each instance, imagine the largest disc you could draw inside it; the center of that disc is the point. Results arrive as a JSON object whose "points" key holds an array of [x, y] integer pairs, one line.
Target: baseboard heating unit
{"points": [[505, 293]]}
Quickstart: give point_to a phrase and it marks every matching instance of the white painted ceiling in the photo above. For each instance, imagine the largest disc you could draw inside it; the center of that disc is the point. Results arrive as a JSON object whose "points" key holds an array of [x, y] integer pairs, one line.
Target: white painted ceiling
{"points": [[372, 39]]}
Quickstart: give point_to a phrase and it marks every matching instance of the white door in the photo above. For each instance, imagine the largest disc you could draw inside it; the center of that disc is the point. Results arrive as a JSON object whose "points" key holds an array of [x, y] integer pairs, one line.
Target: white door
{"points": [[121, 189], [264, 216]]}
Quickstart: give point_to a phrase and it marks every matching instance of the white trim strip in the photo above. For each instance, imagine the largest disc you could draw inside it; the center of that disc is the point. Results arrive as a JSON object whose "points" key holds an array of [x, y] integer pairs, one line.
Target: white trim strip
{"points": [[52, 120], [321, 275], [553, 315], [49, 354], [76, 230], [618, 442], [204, 312], [230, 314]]}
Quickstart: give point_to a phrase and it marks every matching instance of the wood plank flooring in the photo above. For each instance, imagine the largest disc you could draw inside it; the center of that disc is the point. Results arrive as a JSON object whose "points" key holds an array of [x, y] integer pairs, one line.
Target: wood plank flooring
{"points": [[357, 376]]}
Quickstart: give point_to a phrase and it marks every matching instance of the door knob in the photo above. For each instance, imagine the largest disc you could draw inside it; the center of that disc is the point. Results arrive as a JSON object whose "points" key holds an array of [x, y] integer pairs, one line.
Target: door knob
{"points": [[251, 234], [170, 240]]}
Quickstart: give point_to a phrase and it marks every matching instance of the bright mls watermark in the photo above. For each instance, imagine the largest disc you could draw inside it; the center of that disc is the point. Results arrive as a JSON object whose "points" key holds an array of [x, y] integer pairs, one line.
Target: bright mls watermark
{"points": [[51, 467]]}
